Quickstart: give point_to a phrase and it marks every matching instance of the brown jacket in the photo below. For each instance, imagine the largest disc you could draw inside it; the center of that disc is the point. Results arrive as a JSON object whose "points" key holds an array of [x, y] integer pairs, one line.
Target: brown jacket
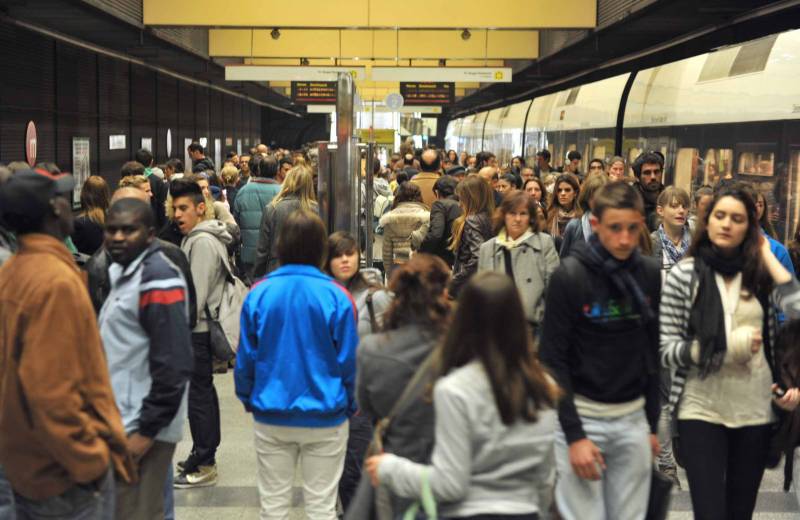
{"points": [[425, 181], [59, 424]]}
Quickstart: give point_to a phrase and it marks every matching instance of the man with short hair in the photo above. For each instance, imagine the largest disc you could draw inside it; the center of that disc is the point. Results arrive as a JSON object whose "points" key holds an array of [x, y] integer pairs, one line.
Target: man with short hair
{"points": [[200, 163], [649, 169], [60, 431], [527, 173], [600, 339], [204, 243], [489, 174], [244, 171], [431, 171], [284, 165], [157, 187], [144, 324], [543, 163], [573, 165], [262, 149], [232, 157], [249, 207], [173, 169]]}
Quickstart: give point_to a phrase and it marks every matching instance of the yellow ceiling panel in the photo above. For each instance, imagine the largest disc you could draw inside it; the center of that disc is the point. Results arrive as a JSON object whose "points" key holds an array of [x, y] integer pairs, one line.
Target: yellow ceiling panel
{"points": [[513, 44], [306, 44], [282, 84], [507, 14]]}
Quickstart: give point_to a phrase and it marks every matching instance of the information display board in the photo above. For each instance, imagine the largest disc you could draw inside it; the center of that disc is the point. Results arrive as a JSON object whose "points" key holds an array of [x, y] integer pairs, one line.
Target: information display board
{"points": [[313, 92], [421, 93]]}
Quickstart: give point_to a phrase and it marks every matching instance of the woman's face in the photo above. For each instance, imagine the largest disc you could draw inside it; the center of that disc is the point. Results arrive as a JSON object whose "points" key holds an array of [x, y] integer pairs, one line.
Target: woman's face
{"points": [[517, 221], [566, 194], [760, 205], [616, 172], [595, 167], [727, 224], [533, 189], [503, 186], [674, 214], [515, 162], [452, 155], [344, 266], [203, 183]]}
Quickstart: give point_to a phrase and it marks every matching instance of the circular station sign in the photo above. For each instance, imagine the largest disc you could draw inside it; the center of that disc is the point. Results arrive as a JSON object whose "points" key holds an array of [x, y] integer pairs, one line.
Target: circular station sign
{"points": [[30, 144], [394, 101]]}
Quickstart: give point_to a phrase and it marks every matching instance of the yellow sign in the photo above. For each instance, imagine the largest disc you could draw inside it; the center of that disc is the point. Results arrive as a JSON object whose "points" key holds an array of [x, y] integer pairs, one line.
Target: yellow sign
{"points": [[498, 75], [381, 135]]}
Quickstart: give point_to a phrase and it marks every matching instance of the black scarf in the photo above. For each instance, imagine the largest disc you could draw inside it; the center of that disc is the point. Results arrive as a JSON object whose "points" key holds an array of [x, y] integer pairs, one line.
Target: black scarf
{"points": [[650, 193], [707, 320], [620, 272]]}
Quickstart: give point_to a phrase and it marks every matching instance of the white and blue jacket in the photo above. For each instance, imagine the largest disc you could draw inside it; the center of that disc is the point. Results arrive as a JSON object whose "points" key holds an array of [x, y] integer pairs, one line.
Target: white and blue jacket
{"points": [[144, 324], [296, 363]]}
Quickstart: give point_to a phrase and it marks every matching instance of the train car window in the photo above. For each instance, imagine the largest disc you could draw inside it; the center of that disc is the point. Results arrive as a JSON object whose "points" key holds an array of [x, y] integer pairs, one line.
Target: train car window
{"points": [[792, 219], [756, 162], [753, 56], [718, 164], [572, 96]]}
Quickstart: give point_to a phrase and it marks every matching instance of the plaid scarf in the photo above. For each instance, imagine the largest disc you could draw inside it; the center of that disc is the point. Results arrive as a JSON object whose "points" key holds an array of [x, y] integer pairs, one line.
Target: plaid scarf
{"points": [[674, 254]]}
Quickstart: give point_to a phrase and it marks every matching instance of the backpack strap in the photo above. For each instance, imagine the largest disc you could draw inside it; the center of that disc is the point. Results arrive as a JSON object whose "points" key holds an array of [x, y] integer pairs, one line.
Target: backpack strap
{"points": [[373, 322]]}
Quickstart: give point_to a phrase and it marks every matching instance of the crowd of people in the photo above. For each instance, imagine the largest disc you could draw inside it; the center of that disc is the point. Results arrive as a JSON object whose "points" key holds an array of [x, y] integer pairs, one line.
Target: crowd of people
{"points": [[530, 343]]}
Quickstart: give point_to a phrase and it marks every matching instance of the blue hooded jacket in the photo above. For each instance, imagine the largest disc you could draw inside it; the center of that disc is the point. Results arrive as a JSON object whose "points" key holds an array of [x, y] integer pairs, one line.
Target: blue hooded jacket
{"points": [[297, 349]]}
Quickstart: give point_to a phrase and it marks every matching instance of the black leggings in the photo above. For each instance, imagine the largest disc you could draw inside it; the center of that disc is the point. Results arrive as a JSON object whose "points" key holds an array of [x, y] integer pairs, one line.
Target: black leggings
{"points": [[724, 467]]}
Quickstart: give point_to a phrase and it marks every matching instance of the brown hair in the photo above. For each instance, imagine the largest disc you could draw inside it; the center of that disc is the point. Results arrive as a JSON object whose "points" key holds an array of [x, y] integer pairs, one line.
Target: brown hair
{"points": [[133, 181], [95, 198], [479, 331], [512, 201], [302, 239], [475, 196], [419, 293], [764, 220], [617, 195], [407, 192], [343, 243], [554, 206], [590, 188], [674, 193]]}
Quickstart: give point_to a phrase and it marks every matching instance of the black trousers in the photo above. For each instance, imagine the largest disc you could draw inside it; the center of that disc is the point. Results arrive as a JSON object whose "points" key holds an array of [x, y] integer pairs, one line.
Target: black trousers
{"points": [[357, 444], [204, 421], [724, 467]]}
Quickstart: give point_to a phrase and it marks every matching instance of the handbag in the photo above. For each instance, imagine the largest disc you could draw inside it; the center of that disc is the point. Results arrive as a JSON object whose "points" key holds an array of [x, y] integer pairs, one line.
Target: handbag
{"points": [[660, 494], [220, 346]]}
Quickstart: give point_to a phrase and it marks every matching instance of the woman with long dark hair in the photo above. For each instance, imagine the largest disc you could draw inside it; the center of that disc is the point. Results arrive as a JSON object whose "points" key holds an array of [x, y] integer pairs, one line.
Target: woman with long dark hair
{"points": [[563, 206], [495, 418], [521, 251], [471, 229], [718, 327], [768, 230]]}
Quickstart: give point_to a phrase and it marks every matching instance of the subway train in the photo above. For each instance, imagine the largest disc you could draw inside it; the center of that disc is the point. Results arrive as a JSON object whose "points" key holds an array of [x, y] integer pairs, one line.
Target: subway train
{"points": [[733, 112]]}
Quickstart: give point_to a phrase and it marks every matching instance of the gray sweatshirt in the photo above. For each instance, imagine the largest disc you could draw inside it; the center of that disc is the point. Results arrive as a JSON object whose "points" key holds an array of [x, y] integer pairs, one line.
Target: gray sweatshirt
{"points": [[479, 465]]}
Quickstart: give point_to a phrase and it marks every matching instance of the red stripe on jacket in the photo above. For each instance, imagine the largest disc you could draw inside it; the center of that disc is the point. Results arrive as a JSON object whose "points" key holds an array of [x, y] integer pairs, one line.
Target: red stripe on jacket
{"points": [[162, 296]]}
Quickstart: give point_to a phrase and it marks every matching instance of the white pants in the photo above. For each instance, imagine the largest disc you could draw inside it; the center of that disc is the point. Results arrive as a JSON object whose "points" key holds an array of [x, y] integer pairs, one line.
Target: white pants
{"points": [[320, 452]]}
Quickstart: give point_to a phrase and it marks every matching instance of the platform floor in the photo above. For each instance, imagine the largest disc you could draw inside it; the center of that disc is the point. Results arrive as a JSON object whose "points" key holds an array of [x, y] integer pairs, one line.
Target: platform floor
{"points": [[235, 497]]}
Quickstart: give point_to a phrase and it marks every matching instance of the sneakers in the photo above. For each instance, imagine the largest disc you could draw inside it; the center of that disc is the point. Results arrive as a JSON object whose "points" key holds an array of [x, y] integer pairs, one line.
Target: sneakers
{"points": [[204, 476], [190, 462], [672, 474]]}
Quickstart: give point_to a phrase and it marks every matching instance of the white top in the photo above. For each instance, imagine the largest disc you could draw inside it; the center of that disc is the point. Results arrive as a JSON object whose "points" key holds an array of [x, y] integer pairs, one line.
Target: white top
{"points": [[740, 393]]}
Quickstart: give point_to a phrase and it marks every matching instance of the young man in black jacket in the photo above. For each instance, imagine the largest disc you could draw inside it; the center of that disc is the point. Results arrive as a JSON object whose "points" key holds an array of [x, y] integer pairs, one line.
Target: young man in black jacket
{"points": [[600, 340]]}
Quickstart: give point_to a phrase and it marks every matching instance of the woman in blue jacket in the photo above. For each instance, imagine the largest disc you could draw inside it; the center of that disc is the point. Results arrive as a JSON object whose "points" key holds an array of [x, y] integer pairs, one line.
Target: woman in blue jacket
{"points": [[295, 371]]}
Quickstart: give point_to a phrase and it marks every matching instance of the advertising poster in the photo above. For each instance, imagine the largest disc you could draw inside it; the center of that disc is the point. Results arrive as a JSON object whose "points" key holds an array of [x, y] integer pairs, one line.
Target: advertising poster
{"points": [[81, 164]]}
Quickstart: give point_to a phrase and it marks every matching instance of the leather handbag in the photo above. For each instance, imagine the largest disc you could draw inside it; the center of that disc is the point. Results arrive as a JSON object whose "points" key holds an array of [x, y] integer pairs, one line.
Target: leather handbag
{"points": [[660, 494]]}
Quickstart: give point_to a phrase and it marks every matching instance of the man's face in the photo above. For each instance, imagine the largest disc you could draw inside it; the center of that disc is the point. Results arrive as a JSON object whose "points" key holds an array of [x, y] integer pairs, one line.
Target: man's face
{"points": [[618, 230], [285, 167], [195, 155], [244, 164], [526, 174], [651, 175], [187, 213], [235, 160], [126, 237], [574, 165], [471, 161], [62, 207], [493, 162]]}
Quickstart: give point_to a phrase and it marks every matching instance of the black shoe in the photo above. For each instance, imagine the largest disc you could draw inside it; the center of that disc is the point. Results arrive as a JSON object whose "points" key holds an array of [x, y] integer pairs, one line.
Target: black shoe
{"points": [[191, 462]]}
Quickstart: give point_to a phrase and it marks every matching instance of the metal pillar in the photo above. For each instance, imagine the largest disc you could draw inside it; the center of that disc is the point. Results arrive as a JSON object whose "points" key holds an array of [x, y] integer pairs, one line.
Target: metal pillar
{"points": [[368, 203], [344, 192]]}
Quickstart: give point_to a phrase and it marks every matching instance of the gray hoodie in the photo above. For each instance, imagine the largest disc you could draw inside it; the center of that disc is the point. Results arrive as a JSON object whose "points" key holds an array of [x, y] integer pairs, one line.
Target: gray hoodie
{"points": [[205, 246]]}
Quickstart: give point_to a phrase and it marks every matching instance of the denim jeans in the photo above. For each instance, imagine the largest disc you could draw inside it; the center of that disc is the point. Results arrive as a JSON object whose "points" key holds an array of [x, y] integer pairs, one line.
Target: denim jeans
{"points": [[169, 495], [623, 490], [93, 501], [6, 497]]}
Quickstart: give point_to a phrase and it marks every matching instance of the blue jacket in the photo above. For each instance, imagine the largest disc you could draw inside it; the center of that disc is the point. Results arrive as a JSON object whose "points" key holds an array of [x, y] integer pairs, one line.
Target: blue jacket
{"points": [[296, 363], [781, 253], [247, 210], [144, 324]]}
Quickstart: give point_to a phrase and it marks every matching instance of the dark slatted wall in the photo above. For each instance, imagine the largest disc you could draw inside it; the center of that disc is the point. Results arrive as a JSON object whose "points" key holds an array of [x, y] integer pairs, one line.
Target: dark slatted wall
{"points": [[70, 92]]}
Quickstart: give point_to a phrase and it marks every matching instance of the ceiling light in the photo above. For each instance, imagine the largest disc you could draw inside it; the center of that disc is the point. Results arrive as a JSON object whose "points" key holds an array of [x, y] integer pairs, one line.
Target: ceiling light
{"points": [[275, 33], [465, 35]]}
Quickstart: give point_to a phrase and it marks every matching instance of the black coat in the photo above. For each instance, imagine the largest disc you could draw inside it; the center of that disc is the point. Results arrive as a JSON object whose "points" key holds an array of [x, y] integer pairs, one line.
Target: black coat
{"points": [[440, 231]]}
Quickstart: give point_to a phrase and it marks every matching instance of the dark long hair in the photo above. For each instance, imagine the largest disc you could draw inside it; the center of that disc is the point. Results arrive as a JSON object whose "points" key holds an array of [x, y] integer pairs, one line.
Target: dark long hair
{"points": [[512, 201], [486, 327], [787, 353], [754, 275], [419, 286], [407, 192], [764, 221], [343, 243]]}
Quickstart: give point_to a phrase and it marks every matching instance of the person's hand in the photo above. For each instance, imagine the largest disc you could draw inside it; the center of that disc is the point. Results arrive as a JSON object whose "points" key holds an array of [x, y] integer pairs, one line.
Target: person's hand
{"points": [[790, 399], [372, 464], [655, 446], [585, 458], [139, 445], [757, 340], [766, 249]]}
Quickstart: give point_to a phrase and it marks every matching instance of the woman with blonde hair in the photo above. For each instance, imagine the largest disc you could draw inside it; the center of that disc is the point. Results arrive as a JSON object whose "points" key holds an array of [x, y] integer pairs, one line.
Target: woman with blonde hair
{"points": [[90, 222], [471, 229], [296, 193]]}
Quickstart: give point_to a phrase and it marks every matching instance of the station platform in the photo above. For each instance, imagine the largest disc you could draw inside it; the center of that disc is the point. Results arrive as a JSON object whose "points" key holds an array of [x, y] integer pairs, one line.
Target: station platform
{"points": [[235, 497]]}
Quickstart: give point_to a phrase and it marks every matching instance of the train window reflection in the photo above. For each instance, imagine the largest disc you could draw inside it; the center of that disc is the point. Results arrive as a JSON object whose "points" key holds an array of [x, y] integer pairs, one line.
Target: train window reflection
{"points": [[756, 163], [718, 164], [686, 163]]}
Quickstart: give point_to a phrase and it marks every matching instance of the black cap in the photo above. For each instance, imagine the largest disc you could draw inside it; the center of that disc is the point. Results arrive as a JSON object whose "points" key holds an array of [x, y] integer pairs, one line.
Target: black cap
{"points": [[455, 170], [28, 193]]}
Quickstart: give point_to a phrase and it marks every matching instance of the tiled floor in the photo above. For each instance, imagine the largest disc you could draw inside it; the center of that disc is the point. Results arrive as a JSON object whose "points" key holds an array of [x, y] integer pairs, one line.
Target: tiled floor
{"points": [[235, 497]]}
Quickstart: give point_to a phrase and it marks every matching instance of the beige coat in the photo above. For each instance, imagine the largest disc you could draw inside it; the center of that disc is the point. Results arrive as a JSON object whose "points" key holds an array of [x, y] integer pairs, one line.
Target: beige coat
{"points": [[398, 225]]}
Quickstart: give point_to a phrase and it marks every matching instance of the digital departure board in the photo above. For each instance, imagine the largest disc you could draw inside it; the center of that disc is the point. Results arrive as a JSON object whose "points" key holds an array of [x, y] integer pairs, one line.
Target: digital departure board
{"points": [[314, 92], [418, 93]]}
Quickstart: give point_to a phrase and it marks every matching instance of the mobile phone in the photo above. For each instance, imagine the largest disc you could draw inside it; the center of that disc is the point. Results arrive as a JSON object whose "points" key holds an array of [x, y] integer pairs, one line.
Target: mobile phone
{"points": [[779, 392]]}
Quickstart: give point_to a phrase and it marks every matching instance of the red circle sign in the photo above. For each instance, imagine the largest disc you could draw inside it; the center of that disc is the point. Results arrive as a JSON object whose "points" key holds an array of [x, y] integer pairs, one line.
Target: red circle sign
{"points": [[30, 144]]}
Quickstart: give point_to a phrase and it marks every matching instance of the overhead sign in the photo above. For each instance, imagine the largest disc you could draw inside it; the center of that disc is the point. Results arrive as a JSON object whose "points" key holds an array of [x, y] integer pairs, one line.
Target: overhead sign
{"points": [[331, 109], [299, 73], [394, 101], [422, 93], [379, 135], [307, 92], [446, 74]]}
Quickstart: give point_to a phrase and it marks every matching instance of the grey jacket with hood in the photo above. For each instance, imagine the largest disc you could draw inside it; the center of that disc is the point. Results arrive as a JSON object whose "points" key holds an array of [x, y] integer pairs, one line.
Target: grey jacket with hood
{"points": [[271, 222], [206, 248]]}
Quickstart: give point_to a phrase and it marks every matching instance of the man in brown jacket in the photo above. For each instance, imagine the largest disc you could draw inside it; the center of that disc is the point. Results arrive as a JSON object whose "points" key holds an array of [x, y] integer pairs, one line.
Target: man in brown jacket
{"points": [[61, 434], [431, 171]]}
